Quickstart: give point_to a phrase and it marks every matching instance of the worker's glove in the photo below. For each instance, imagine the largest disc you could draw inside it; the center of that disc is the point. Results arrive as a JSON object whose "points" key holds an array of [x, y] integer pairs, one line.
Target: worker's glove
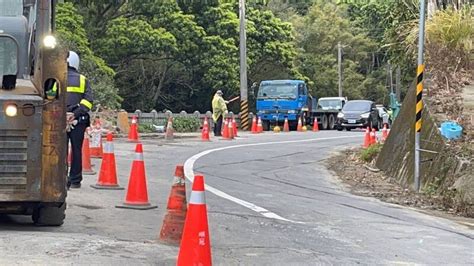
{"points": [[70, 125]]}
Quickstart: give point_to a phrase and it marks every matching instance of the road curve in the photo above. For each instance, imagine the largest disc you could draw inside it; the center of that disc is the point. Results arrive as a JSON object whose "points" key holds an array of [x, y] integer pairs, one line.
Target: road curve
{"points": [[275, 203]]}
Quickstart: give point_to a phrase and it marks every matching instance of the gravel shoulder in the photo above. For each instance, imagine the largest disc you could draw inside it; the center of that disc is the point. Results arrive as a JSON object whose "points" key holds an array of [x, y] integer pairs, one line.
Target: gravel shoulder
{"points": [[362, 179]]}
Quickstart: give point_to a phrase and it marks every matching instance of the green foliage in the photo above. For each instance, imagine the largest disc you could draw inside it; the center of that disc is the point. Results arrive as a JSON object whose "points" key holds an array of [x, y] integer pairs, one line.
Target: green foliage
{"points": [[452, 29], [186, 124], [318, 34], [146, 128], [369, 154], [72, 35]]}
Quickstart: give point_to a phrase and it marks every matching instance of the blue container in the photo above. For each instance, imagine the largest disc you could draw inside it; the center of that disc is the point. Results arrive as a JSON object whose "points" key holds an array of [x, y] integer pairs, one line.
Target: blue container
{"points": [[451, 130]]}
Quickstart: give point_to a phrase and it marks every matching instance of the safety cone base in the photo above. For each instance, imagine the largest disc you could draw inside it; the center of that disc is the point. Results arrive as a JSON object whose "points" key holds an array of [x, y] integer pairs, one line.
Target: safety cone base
{"points": [[136, 206], [107, 187]]}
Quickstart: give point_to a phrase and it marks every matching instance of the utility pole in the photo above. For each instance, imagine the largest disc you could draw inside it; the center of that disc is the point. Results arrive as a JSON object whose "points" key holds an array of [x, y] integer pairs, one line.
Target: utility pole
{"points": [[419, 94], [398, 77], [244, 104], [339, 66], [390, 74]]}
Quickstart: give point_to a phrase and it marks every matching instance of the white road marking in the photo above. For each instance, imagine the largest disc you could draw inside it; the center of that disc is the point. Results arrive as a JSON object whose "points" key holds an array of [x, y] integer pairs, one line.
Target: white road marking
{"points": [[189, 173]]}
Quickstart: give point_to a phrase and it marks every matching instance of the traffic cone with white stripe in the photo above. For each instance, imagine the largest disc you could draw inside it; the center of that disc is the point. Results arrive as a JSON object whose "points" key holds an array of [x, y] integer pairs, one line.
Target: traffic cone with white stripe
{"points": [[286, 127], [108, 169], [173, 223], [230, 129], [133, 132], [299, 128], [225, 129], [234, 125], [373, 137], [384, 133], [205, 130], [195, 246], [259, 125], [86, 157], [367, 139], [315, 125], [137, 192], [254, 125]]}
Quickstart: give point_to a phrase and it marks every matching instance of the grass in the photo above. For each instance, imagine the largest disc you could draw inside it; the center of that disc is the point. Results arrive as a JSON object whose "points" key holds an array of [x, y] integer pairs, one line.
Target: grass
{"points": [[369, 154]]}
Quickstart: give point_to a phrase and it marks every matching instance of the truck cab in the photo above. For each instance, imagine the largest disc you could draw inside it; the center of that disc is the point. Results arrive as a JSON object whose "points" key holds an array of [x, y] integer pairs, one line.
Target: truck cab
{"points": [[278, 100]]}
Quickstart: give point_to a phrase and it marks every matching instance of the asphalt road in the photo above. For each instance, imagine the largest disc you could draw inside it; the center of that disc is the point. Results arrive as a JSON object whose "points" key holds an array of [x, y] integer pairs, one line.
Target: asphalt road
{"points": [[270, 201]]}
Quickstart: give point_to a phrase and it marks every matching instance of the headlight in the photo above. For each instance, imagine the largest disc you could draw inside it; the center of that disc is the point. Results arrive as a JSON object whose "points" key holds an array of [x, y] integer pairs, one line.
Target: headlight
{"points": [[49, 41], [292, 111], [366, 115], [11, 110], [340, 115]]}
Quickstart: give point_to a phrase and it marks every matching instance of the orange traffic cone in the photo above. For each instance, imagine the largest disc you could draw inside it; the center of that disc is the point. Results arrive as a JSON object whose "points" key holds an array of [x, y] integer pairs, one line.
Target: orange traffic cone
{"points": [[225, 129], [173, 223], [315, 125], [205, 130], [373, 137], [195, 246], [108, 169], [86, 157], [95, 140], [300, 126], [133, 132], [254, 125], [169, 129], [367, 140], [137, 192], [384, 133], [286, 127], [230, 129], [259, 125], [234, 124]]}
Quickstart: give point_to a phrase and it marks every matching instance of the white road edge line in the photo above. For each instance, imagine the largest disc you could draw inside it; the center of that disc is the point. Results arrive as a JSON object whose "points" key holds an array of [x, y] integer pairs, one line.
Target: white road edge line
{"points": [[189, 173]]}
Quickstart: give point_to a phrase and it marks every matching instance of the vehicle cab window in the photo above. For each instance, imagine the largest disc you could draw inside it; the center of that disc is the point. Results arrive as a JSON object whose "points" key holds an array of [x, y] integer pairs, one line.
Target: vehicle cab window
{"points": [[302, 91]]}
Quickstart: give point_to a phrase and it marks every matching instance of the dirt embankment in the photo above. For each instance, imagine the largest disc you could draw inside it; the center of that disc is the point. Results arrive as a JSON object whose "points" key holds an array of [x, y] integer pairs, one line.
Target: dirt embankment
{"points": [[364, 180]]}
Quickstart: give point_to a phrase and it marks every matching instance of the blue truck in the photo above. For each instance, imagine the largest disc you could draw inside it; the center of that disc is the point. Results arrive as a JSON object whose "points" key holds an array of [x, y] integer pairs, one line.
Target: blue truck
{"points": [[278, 100]]}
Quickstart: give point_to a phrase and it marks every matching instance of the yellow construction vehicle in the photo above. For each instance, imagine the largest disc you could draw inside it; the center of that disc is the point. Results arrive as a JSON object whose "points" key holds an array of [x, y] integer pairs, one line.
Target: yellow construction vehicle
{"points": [[33, 141]]}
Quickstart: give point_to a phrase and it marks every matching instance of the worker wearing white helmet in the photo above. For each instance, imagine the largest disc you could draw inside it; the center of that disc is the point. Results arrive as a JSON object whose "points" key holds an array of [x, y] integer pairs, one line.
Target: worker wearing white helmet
{"points": [[79, 100]]}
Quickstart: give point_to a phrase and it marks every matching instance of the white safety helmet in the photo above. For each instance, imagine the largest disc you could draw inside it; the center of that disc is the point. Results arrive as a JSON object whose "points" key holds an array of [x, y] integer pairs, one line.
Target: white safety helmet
{"points": [[73, 60]]}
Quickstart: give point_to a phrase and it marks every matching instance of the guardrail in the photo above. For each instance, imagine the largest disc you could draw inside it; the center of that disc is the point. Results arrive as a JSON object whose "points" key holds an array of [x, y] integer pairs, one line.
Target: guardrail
{"points": [[160, 118]]}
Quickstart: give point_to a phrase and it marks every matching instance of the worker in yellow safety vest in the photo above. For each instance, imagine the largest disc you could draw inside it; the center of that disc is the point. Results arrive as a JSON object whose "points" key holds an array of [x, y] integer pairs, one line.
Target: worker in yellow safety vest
{"points": [[79, 100], [219, 109]]}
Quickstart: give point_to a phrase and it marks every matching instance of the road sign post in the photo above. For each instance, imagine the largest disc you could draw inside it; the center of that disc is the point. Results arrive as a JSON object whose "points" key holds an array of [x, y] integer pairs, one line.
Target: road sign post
{"points": [[419, 94]]}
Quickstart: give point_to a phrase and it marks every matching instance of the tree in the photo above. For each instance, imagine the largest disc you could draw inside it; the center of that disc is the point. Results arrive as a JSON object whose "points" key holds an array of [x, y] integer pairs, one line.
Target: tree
{"points": [[318, 34], [72, 35]]}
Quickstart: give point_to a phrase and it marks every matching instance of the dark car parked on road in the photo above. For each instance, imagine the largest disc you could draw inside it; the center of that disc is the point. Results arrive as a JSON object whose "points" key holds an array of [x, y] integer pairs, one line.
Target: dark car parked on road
{"points": [[357, 114]]}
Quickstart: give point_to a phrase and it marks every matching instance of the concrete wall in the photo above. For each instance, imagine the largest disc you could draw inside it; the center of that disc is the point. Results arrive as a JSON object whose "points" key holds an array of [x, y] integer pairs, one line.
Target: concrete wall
{"points": [[397, 156]]}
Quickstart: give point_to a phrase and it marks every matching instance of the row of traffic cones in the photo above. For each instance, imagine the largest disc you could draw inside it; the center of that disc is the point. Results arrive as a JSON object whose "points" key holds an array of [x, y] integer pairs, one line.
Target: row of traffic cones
{"points": [[187, 226], [183, 225], [257, 126], [370, 136]]}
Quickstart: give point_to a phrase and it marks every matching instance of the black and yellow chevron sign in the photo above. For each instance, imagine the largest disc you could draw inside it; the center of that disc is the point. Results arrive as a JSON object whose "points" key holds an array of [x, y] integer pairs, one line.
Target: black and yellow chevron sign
{"points": [[419, 96], [244, 115]]}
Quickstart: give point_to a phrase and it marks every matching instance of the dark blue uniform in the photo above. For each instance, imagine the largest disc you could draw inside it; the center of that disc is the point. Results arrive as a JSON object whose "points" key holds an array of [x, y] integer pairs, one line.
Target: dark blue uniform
{"points": [[79, 101]]}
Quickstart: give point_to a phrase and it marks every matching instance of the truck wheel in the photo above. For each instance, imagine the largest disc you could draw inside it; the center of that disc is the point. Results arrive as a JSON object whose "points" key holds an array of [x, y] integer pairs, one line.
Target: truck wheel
{"points": [[324, 122], [332, 122], [266, 125], [49, 215]]}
